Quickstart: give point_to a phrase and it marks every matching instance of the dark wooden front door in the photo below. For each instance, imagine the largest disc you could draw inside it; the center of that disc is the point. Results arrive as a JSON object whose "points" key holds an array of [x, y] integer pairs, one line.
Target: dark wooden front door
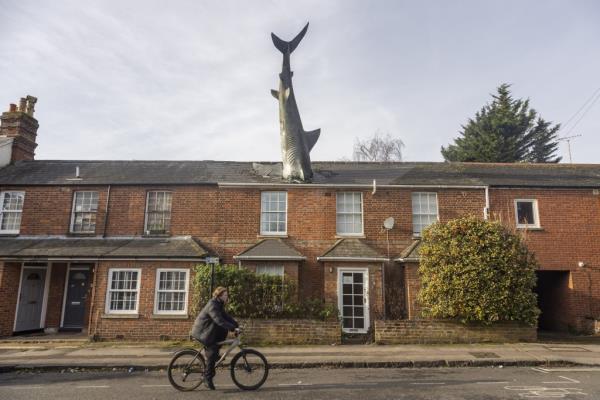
{"points": [[77, 289]]}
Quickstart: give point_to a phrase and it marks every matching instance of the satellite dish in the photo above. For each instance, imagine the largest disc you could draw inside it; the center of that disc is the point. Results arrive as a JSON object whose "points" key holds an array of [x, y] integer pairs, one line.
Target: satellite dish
{"points": [[388, 223]]}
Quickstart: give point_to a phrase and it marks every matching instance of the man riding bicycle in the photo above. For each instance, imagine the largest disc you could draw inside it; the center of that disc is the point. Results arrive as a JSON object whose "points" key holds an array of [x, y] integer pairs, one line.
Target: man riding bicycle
{"points": [[211, 327]]}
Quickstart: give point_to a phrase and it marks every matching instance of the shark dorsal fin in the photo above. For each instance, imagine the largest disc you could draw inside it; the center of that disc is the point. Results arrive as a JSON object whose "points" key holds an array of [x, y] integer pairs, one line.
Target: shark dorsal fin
{"points": [[275, 93], [312, 137]]}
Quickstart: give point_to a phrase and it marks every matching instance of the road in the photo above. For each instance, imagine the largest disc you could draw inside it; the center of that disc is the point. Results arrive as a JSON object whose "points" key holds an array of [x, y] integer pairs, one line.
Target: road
{"points": [[435, 383]]}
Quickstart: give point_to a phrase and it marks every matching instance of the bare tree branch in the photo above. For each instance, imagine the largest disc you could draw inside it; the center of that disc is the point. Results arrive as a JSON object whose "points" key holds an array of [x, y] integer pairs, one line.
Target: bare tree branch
{"points": [[378, 148]]}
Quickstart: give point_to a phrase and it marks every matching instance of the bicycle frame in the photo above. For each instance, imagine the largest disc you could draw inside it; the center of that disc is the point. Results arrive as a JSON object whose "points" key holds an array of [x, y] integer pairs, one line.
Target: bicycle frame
{"points": [[233, 343]]}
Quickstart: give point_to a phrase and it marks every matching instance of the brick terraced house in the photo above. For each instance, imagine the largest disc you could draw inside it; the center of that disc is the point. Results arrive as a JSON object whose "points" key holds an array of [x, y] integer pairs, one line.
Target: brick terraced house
{"points": [[108, 247]]}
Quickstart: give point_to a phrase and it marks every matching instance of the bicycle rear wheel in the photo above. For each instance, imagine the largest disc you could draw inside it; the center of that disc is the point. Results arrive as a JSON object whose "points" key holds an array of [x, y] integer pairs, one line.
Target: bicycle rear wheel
{"points": [[186, 370], [249, 369]]}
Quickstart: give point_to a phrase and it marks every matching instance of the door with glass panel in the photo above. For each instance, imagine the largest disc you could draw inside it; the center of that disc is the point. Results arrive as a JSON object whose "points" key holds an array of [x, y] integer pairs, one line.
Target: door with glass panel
{"points": [[353, 302]]}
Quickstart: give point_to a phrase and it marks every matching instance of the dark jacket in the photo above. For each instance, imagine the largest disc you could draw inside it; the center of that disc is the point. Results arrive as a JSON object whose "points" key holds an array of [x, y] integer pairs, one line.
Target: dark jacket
{"points": [[213, 323]]}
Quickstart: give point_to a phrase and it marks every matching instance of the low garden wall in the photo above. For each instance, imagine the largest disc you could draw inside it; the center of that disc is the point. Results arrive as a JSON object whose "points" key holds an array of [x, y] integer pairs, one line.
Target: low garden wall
{"points": [[256, 331], [291, 331], [444, 332]]}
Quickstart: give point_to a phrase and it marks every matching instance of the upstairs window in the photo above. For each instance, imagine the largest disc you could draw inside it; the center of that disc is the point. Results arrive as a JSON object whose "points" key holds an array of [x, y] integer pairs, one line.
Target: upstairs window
{"points": [[11, 208], [83, 216], [273, 213], [158, 213], [526, 212], [349, 214], [424, 211]]}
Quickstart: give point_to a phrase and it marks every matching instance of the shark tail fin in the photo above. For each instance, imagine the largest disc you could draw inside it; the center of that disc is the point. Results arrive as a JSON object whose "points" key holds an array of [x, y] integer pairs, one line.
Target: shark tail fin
{"points": [[284, 46], [312, 137]]}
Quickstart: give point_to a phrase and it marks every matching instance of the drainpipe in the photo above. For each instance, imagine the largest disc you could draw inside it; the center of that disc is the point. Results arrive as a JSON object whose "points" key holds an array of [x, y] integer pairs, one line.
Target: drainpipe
{"points": [[106, 211], [486, 210]]}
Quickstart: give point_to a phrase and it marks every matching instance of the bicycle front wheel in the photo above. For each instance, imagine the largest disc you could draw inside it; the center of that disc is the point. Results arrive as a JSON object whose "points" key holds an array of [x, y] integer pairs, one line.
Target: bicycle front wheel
{"points": [[186, 370], [249, 369]]}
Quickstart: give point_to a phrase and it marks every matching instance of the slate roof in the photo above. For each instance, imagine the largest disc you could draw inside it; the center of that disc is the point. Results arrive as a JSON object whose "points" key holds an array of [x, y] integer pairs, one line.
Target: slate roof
{"points": [[411, 253], [351, 249], [48, 172], [270, 249], [91, 248]]}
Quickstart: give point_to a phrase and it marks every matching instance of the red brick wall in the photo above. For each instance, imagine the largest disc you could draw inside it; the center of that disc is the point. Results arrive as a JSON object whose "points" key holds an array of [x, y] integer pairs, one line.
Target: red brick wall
{"points": [[145, 324], [55, 295], [9, 286], [570, 228], [436, 331]]}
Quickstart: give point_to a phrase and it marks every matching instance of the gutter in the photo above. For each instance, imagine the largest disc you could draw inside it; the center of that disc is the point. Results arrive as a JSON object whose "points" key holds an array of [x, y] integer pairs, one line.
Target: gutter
{"points": [[359, 259], [342, 185], [293, 258], [75, 258]]}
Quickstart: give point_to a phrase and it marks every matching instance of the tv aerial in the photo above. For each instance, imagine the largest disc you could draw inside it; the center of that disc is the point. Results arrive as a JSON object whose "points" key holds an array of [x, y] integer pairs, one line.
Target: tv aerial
{"points": [[388, 223]]}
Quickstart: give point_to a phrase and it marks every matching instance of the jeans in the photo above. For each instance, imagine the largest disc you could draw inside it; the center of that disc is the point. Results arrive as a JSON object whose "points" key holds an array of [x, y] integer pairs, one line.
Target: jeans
{"points": [[212, 356]]}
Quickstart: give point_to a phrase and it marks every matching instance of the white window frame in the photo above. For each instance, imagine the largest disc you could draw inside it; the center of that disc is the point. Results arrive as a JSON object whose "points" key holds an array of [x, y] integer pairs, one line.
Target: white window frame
{"points": [[108, 290], [362, 215], [2, 195], [437, 210], [536, 214], [146, 230], [94, 211], [280, 268], [187, 291], [270, 233]]}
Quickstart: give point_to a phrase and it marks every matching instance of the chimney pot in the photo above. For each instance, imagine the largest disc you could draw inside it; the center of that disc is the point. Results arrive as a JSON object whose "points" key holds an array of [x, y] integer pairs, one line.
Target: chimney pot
{"points": [[12, 108], [22, 104]]}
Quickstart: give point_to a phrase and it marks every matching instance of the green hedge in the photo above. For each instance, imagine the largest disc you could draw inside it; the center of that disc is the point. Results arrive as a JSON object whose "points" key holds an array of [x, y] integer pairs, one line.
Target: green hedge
{"points": [[475, 270], [257, 296]]}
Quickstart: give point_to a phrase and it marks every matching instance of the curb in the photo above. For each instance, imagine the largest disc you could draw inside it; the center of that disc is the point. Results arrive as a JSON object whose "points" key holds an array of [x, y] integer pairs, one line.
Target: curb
{"points": [[331, 365]]}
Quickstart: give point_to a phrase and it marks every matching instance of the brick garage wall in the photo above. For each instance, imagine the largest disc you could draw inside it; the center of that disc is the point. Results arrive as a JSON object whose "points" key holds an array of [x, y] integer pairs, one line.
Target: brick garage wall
{"points": [[291, 331], [145, 324], [570, 228], [9, 287], [447, 332]]}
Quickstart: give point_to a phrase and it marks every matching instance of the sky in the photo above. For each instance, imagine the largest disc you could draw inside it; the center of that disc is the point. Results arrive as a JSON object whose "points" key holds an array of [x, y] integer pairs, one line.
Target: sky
{"points": [[191, 80]]}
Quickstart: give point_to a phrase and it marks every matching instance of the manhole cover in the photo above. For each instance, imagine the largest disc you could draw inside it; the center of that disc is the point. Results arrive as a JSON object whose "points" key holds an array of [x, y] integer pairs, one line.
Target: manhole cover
{"points": [[567, 348], [484, 354]]}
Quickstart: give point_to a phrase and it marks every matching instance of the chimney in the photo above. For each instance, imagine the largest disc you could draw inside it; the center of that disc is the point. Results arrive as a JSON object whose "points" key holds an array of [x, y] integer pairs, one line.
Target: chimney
{"points": [[18, 127]]}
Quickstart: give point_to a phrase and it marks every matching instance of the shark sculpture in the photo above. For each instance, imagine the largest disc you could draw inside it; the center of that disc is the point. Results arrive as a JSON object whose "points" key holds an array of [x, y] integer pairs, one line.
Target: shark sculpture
{"points": [[296, 143]]}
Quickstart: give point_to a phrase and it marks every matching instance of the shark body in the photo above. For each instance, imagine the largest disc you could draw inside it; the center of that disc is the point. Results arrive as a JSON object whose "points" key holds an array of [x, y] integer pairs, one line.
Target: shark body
{"points": [[296, 143]]}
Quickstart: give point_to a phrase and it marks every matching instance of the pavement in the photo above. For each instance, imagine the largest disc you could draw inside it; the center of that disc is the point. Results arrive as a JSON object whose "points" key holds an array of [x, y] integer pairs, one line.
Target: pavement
{"points": [[78, 353]]}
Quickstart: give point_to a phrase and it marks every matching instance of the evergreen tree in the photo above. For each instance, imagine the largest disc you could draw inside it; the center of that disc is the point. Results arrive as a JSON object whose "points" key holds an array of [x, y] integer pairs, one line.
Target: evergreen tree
{"points": [[505, 130]]}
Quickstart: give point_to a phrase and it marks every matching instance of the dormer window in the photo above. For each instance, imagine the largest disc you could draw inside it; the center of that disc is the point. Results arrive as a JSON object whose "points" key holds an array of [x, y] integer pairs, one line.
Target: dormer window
{"points": [[83, 215], [158, 213]]}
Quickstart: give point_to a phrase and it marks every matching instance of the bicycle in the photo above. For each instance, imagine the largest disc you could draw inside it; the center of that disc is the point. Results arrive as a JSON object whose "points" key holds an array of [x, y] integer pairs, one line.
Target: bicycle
{"points": [[249, 368]]}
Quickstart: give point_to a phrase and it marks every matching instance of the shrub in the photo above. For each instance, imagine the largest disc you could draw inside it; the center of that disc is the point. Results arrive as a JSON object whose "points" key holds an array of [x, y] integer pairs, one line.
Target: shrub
{"points": [[475, 270], [257, 296]]}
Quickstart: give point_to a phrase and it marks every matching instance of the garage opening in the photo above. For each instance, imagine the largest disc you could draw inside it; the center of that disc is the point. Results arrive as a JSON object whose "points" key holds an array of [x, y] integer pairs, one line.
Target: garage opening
{"points": [[552, 290]]}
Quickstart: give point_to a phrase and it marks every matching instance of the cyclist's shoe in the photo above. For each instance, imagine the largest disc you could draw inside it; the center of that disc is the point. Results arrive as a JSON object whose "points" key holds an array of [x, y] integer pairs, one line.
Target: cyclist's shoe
{"points": [[209, 383]]}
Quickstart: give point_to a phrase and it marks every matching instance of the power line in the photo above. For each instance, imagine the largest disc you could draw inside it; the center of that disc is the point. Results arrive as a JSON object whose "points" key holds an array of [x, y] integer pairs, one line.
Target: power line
{"points": [[581, 108], [587, 108]]}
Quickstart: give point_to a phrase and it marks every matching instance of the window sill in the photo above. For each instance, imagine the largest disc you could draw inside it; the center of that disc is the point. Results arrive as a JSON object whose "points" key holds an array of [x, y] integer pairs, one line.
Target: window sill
{"points": [[82, 234], [530, 228], [274, 235], [170, 316], [7, 234], [120, 316], [350, 236], [157, 235]]}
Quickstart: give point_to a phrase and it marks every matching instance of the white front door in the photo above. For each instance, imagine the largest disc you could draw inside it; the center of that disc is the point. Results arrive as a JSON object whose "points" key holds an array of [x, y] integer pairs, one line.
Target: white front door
{"points": [[353, 299]]}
